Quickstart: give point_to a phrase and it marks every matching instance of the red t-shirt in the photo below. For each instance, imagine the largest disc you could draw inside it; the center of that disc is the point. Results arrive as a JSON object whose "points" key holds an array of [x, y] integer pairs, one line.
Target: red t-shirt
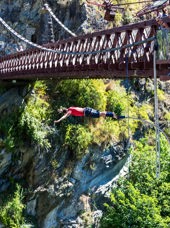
{"points": [[76, 111]]}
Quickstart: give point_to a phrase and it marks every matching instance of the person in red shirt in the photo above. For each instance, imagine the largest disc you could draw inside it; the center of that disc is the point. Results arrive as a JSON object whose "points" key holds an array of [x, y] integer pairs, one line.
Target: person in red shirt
{"points": [[87, 112]]}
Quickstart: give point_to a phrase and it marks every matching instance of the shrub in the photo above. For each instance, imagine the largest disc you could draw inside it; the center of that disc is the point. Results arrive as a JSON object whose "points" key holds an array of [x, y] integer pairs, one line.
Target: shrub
{"points": [[26, 124], [161, 95], [81, 93], [7, 129], [77, 138], [32, 116], [30, 124], [143, 200], [130, 208], [11, 213], [117, 101], [105, 132]]}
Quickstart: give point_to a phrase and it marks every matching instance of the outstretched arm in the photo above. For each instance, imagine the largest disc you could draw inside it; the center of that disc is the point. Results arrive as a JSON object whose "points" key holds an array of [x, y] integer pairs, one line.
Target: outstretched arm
{"points": [[63, 117]]}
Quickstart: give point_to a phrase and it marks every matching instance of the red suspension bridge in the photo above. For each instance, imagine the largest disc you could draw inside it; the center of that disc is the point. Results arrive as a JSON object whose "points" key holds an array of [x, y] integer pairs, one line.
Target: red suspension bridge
{"points": [[103, 54]]}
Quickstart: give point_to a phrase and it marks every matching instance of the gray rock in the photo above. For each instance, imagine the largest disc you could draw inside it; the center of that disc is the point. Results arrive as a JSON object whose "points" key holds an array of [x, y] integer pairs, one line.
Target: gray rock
{"points": [[4, 184], [31, 207], [5, 161]]}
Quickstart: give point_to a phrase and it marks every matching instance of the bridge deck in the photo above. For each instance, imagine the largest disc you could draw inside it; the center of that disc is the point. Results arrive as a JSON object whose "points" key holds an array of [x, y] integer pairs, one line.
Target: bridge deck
{"points": [[97, 55]]}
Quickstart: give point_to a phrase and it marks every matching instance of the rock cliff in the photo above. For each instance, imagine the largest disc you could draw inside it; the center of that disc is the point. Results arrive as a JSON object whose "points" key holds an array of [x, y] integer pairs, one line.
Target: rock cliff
{"points": [[63, 191], [60, 191]]}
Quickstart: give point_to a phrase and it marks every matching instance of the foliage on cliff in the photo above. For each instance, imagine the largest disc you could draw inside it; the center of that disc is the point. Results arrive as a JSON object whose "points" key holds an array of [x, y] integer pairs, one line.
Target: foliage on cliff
{"points": [[142, 200], [100, 95], [142, 194], [11, 211], [29, 123], [34, 121]]}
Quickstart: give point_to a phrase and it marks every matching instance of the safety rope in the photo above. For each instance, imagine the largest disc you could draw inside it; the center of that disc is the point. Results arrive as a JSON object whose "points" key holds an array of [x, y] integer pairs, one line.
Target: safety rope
{"points": [[57, 20], [150, 123], [156, 112], [69, 52], [127, 90], [127, 84]]}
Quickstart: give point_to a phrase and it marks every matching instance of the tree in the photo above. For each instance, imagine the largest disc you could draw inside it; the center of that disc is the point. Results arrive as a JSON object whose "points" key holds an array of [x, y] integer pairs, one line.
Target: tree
{"points": [[130, 208], [142, 200]]}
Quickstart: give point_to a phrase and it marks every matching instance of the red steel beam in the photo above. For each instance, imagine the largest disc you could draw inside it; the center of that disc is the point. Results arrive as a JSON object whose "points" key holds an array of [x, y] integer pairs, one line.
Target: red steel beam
{"points": [[91, 62]]}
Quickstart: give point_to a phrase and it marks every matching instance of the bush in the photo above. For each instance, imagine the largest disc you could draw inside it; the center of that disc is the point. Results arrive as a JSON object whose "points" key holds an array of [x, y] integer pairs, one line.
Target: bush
{"points": [[31, 123], [117, 102], [26, 124], [11, 213], [77, 138], [83, 93], [130, 208], [143, 200], [8, 130]]}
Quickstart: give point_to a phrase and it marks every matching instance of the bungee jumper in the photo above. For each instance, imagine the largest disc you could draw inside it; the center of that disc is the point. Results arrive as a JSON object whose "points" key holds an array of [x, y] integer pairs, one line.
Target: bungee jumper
{"points": [[85, 112]]}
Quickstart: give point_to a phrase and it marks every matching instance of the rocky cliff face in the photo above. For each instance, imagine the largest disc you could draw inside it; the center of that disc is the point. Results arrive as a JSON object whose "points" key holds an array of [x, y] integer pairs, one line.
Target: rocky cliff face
{"points": [[63, 192], [65, 196], [61, 196], [67, 193], [29, 19], [33, 22]]}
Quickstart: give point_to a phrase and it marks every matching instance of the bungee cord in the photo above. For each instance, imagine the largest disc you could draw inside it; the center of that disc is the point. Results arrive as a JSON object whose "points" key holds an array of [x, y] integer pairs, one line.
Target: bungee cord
{"points": [[156, 113]]}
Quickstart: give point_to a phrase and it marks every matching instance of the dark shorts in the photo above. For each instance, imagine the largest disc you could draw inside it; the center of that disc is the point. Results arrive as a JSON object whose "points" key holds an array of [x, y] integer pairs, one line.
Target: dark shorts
{"points": [[90, 112]]}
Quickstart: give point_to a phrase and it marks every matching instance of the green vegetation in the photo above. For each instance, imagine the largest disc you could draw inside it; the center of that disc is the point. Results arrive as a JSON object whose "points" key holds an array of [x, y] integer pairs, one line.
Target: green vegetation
{"points": [[80, 93], [163, 38], [29, 123], [34, 116], [77, 134], [11, 213], [142, 197], [142, 200], [161, 95], [83, 132], [77, 138], [117, 101]]}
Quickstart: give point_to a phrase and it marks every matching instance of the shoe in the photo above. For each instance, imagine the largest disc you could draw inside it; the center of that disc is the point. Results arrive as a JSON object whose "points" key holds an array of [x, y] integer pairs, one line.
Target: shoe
{"points": [[115, 117]]}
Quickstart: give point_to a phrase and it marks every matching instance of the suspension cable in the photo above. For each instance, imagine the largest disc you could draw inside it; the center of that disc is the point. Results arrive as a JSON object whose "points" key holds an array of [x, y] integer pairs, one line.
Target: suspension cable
{"points": [[127, 84], [24, 39], [57, 20], [69, 52]]}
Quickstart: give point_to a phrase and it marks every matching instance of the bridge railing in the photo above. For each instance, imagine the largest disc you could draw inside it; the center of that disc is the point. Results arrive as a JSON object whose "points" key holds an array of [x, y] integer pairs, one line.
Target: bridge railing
{"points": [[105, 50]]}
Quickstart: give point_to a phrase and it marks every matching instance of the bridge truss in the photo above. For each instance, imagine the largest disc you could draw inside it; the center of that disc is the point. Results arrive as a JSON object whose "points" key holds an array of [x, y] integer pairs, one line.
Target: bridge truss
{"points": [[97, 55]]}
